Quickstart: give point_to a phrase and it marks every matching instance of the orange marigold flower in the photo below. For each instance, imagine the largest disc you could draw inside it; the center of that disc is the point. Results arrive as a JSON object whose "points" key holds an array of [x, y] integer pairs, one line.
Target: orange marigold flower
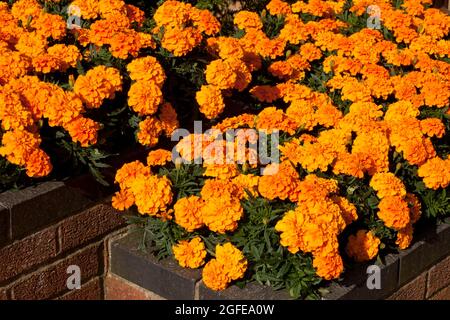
{"points": [[221, 171], [222, 215], [432, 127], [204, 21], [328, 266], [128, 173], [152, 194], [147, 69], [168, 118], [144, 97], [214, 276], [415, 207], [188, 213], [247, 20], [363, 246], [271, 119], [123, 200], [190, 254], [394, 212], [233, 260], [278, 7], [221, 74], [404, 237], [387, 185], [283, 184], [159, 157], [83, 130], [435, 173], [98, 84], [38, 164], [210, 101], [181, 41], [149, 131]]}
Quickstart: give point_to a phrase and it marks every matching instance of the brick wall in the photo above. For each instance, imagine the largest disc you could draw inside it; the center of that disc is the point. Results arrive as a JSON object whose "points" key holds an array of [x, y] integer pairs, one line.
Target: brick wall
{"points": [[47, 228], [433, 284]]}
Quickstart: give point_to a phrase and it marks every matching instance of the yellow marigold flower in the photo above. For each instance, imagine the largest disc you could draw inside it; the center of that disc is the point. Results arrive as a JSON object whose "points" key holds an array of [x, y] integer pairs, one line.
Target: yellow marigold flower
{"points": [[363, 246], [188, 213], [221, 74], [152, 194], [123, 200], [387, 185], [328, 266], [126, 175], [405, 237], [83, 130], [247, 20], [190, 254], [144, 97], [289, 227], [233, 260], [394, 212], [168, 118], [147, 69], [435, 173], [214, 276], [159, 157], [210, 101], [181, 41], [149, 131]]}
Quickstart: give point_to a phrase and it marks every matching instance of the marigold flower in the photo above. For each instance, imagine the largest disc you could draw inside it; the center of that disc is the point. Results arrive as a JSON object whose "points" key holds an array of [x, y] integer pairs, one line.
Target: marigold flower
{"points": [[144, 97], [435, 173], [363, 246], [214, 275], [126, 175], [123, 200], [210, 101], [404, 237], [221, 74], [233, 260], [147, 69], [190, 254], [168, 118], [394, 212], [387, 185], [159, 157], [152, 194], [149, 131], [83, 130], [188, 213]]}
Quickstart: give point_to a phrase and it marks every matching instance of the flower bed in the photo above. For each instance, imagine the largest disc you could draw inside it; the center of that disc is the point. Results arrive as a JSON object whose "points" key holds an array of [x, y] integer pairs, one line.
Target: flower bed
{"points": [[327, 125]]}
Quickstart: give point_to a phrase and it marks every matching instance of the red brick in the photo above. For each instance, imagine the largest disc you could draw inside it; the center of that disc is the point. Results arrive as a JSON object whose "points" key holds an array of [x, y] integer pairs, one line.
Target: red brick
{"points": [[117, 288], [22, 255], [415, 290], [438, 277], [51, 281], [444, 294], [89, 225], [3, 294], [91, 290]]}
